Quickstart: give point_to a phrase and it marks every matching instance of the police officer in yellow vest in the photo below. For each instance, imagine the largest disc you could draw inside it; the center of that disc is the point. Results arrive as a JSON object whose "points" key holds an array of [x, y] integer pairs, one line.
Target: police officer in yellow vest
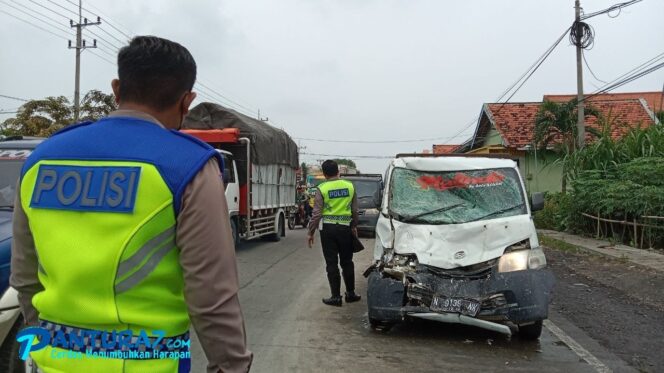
{"points": [[336, 205], [122, 235]]}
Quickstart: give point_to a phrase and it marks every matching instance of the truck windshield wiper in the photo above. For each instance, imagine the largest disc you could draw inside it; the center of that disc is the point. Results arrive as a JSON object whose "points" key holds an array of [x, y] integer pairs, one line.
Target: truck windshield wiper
{"points": [[411, 218], [497, 212]]}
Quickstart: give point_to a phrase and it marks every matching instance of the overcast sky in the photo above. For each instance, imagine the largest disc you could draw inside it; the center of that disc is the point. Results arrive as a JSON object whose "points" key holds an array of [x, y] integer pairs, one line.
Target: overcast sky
{"points": [[344, 69]]}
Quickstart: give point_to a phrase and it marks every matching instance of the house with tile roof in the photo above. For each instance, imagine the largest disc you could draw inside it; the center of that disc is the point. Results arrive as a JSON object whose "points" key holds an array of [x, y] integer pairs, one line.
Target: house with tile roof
{"points": [[508, 128], [445, 148]]}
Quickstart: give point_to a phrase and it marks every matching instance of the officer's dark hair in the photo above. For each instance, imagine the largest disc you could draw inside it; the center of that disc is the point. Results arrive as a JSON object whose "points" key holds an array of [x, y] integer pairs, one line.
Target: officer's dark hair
{"points": [[155, 72], [330, 168]]}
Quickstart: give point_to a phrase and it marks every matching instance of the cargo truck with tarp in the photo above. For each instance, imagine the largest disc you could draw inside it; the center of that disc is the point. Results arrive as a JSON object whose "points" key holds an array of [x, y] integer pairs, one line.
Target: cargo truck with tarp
{"points": [[260, 163]]}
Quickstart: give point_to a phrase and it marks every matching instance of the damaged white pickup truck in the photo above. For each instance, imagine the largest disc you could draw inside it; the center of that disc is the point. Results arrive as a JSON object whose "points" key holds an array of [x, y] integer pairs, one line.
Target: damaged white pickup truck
{"points": [[456, 243]]}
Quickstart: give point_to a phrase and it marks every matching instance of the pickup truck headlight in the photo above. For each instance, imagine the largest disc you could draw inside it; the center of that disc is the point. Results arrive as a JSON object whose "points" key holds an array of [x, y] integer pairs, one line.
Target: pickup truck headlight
{"points": [[522, 259], [371, 212]]}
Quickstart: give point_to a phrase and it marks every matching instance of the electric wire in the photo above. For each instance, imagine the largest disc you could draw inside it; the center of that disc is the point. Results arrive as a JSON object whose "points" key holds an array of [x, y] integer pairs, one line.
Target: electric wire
{"points": [[349, 156], [56, 21], [111, 45], [618, 6], [629, 79], [59, 28], [49, 9], [122, 42], [543, 56], [226, 98], [537, 66], [14, 98], [101, 57], [632, 75], [63, 7], [381, 141], [32, 16], [582, 35], [583, 55], [33, 25], [216, 97], [66, 17], [231, 103], [107, 19], [522, 80]]}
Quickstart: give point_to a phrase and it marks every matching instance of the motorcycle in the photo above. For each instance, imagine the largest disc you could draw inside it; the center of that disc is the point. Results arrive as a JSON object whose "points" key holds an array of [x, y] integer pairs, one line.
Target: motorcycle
{"points": [[298, 217]]}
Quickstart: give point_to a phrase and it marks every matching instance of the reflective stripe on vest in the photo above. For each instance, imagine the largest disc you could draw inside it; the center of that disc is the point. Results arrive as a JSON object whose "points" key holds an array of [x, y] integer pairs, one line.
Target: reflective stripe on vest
{"points": [[337, 201]]}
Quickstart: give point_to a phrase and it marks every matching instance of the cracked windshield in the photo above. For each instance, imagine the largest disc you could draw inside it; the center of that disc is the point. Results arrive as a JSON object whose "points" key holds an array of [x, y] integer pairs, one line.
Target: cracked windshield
{"points": [[455, 197]]}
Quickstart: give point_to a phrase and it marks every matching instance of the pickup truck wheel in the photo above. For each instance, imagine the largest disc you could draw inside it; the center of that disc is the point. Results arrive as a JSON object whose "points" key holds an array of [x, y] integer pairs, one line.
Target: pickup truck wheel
{"points": [[9, 360], [530, 332]]}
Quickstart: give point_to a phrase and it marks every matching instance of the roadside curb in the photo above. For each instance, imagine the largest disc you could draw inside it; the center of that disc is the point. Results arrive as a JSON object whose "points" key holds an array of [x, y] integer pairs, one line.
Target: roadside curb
{"points": [[641, 257]]}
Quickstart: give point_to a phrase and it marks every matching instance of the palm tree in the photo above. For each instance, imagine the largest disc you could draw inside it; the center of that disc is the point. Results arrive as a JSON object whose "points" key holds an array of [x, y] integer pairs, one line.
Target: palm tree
{"points": [[555, 124]]}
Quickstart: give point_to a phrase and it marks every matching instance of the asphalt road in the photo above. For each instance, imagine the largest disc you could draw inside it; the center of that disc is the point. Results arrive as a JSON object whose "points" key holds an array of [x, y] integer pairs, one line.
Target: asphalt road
{"points": [[290, 330]]}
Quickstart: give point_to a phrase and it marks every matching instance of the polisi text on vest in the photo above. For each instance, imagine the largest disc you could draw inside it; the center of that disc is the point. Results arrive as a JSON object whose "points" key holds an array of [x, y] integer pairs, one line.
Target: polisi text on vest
{"points": [[101, 188]]}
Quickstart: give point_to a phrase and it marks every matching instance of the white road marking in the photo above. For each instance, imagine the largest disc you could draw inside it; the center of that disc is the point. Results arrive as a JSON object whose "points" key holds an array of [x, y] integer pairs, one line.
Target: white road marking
{"points": [[577, 348]]}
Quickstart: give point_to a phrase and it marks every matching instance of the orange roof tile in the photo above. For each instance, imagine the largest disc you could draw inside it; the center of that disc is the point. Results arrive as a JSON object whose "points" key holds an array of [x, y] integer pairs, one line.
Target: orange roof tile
{"points": [[516, 121], [445, 149], [653, 99]]}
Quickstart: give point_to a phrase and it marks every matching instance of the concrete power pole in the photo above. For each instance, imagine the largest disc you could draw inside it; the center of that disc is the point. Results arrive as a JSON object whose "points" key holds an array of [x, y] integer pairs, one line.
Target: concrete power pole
{"points": [[80, 46], [580, 125]]}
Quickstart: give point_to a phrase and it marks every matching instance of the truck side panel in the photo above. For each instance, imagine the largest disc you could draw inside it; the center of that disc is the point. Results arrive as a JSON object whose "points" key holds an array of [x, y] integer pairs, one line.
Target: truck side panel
{"points": [[273, 186]]}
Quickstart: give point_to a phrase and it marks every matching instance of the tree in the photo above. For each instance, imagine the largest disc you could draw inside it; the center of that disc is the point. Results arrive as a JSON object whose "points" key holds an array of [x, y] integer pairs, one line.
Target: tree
{"points": [[557, 121], [44, 117], [346, 162], [96, 105]]}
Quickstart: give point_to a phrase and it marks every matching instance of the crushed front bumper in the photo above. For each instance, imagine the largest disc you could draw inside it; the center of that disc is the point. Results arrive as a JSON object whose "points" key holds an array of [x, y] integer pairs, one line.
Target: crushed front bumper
{"points": [[519, 297]]}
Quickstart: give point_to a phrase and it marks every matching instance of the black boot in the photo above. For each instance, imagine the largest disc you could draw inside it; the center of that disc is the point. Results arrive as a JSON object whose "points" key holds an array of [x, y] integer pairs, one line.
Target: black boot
{"points": [[352, 297], [333, 301]]}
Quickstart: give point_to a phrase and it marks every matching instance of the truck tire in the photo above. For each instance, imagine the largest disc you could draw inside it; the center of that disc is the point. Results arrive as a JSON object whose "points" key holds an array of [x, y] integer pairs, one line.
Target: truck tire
{"points": [[276, 237], [234, 232], [530, 332], [9, 360]]}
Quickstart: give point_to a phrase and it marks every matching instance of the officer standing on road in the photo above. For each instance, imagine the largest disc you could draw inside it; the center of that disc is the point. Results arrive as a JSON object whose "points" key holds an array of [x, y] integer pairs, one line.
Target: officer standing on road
{"points": [[336, 204], [122, 224]]}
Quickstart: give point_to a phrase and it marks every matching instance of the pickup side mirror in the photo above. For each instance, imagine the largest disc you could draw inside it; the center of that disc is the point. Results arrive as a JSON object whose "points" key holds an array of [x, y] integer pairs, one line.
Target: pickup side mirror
{"points": [[536, 201]]}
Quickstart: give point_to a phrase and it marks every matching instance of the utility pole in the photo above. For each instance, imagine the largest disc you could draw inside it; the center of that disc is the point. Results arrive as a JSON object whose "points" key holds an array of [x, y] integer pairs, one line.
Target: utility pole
{"points": [[80, 46], [580, 124]]}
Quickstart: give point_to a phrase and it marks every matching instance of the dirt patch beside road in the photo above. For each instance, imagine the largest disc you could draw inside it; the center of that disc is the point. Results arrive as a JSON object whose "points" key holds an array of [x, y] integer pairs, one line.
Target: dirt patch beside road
{"points": [[619, 304]]}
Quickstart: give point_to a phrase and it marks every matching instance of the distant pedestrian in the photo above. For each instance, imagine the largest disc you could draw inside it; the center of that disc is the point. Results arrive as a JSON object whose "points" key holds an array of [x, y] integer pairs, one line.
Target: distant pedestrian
{"points": [[335, 204]]}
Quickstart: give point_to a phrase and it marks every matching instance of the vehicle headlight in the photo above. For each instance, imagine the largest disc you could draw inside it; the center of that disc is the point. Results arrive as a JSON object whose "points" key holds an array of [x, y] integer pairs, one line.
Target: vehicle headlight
{"points": [[522, 259], [371, 212]]}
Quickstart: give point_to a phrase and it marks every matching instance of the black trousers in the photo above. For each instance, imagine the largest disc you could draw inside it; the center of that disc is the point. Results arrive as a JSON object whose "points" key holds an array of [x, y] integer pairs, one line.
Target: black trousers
{"points": [[337, 241]]}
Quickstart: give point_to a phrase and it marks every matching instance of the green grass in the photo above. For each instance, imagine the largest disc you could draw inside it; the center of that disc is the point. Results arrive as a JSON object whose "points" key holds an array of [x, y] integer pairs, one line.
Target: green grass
{"points": [[557, 244]]}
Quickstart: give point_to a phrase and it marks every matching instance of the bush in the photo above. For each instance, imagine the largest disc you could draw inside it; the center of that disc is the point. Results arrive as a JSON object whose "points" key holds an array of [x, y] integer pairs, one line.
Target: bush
{"points": [[555, 214], [624, 192]]}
